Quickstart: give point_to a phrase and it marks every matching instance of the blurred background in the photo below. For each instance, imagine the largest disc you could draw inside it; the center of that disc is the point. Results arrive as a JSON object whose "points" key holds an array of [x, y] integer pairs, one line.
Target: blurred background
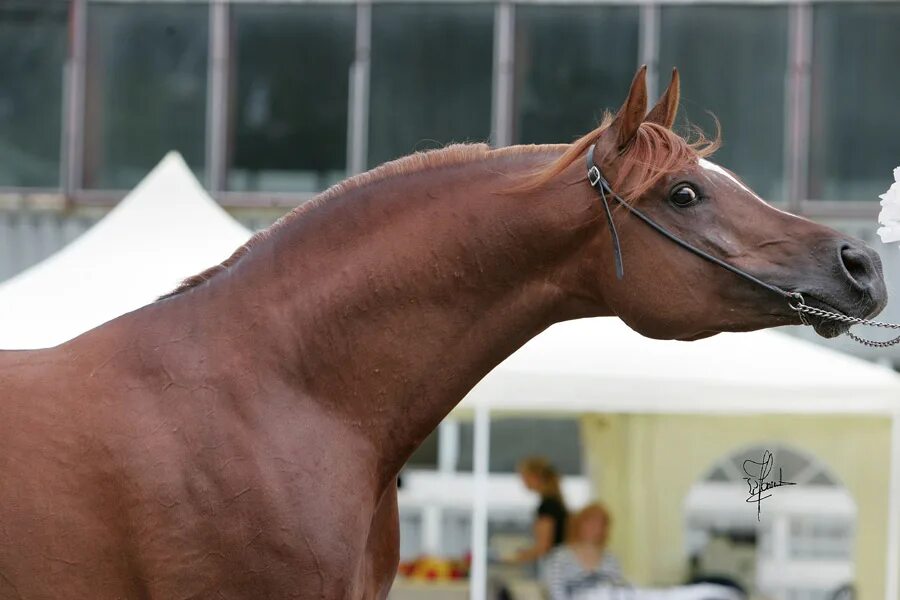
{"points": [[270, 102]]}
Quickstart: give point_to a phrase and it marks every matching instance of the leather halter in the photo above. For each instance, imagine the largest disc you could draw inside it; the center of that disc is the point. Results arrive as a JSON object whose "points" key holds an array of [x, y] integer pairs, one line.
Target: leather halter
{"points": [[599, 183]]}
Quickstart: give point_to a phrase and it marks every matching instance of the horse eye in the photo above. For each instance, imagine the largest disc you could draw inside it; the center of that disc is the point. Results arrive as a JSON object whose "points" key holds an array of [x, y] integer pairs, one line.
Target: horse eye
{"points": [[684, 195]]}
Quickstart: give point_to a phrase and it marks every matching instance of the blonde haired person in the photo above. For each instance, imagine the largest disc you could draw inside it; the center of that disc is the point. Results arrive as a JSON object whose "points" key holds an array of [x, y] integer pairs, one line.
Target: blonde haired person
{"points": [[539, 476], [583, 564]]}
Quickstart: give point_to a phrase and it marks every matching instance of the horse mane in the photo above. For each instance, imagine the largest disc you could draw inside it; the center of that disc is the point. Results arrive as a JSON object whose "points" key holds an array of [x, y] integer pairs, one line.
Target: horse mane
{"points": [[655, 151], [452, 155]]}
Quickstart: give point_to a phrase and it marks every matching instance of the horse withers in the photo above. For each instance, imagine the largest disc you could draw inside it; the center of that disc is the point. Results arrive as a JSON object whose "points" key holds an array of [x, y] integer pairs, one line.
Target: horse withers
{"points": [[241, 437]]}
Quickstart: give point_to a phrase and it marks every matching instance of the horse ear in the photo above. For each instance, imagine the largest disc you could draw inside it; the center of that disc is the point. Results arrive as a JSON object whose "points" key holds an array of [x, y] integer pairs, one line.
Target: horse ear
{"points": [[664, 111], [631, 115]]}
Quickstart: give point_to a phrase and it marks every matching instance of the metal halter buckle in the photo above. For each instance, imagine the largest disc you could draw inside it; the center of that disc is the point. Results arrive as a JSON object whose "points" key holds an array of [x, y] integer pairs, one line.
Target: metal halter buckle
{"points": [[594, 175]]}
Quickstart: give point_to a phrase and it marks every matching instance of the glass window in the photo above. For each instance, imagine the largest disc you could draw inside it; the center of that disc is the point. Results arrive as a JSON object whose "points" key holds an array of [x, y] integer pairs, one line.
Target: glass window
{"points": [[290, 96], [814, 537], [431, 77], [410, 533], [572, 63], [855, 85], [33, 39], [733, 62], [145, 91], [558, 440]]}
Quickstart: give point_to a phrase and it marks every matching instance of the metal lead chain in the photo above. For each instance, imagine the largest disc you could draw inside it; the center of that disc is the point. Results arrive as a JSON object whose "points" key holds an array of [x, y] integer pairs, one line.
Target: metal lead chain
{"points": [[804, 309], [873, 343]]}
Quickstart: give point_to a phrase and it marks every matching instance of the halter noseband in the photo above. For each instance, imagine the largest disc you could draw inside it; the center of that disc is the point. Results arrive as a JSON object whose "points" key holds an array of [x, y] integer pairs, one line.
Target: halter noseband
{"points": [[599, 183]]}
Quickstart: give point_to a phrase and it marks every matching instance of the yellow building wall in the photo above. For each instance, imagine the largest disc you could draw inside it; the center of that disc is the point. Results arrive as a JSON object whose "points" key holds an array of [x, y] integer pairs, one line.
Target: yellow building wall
{"points": [[643, 466]]}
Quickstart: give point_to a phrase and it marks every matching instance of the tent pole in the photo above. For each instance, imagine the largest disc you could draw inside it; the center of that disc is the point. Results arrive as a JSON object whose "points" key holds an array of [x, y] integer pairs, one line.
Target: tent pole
{"points": [[892, 577], [481, 454]]}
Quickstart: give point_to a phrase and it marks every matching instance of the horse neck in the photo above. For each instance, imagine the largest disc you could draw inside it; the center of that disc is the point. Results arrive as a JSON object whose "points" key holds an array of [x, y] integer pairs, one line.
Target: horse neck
{"points": [[389, 302]]}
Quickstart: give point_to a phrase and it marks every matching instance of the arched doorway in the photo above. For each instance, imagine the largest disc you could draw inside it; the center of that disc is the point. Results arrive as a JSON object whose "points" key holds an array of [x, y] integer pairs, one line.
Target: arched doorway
{"points": [[799, 546]]}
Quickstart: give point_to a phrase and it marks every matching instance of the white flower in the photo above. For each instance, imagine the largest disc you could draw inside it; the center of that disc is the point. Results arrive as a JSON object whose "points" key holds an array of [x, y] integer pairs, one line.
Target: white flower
{"points": [[889, 216]]}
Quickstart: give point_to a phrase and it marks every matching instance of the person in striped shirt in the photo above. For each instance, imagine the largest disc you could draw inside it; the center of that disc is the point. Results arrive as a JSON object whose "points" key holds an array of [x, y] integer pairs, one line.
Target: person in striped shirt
{"points": [[582, 564]]}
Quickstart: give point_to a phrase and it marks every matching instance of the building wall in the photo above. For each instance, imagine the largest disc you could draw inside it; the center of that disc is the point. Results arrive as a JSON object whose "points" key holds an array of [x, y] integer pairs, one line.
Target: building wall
{"points": [[644, 465], [30, 234]]}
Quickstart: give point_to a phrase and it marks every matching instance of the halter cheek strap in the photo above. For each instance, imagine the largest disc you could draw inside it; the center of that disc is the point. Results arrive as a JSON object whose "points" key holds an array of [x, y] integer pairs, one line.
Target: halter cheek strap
{"points": [[599, 183]]}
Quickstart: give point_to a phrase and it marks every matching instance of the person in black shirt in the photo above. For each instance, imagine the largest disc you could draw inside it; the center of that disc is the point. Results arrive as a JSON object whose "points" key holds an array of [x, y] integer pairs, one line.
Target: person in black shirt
{"points": [[541, 477]]}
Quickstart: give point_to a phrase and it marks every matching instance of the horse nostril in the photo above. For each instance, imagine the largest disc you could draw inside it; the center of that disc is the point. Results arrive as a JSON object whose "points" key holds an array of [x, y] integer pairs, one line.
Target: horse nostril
{"points": [[857, 265]]}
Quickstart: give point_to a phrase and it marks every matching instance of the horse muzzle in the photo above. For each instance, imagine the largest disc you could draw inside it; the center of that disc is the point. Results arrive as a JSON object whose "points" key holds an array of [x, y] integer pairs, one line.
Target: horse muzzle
{"points": [[853, 285]]}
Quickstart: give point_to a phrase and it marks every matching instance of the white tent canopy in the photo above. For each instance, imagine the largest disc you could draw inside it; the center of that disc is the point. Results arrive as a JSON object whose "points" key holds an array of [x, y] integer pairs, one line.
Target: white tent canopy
{"points": [[600, 365], [165, 230]]}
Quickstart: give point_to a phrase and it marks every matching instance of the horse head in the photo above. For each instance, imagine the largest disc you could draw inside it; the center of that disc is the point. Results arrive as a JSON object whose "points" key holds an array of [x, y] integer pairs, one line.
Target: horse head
{"points": [[671, 293]]}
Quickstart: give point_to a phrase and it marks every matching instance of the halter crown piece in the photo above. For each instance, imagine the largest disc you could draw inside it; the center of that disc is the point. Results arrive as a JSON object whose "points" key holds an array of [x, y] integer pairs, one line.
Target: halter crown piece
{"points": [[795, 299]]}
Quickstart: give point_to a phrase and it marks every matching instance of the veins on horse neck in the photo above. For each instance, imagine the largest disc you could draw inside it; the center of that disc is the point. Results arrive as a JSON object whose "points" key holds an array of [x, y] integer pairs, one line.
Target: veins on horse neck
{"points": [[384, 307]]}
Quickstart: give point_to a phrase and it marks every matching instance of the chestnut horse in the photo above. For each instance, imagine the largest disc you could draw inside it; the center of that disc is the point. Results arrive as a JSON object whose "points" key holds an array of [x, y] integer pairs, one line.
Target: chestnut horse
{"points": [[241, 437]]}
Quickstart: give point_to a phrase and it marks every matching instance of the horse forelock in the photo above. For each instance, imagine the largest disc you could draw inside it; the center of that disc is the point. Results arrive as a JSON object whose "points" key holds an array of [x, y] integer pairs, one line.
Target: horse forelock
{"points": [[654, 152]]}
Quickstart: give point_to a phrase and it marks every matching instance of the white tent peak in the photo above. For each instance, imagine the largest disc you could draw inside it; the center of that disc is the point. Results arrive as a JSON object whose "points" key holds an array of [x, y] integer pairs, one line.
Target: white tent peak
{"points": [[173, 174], [166, 229], [169, 200]]}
